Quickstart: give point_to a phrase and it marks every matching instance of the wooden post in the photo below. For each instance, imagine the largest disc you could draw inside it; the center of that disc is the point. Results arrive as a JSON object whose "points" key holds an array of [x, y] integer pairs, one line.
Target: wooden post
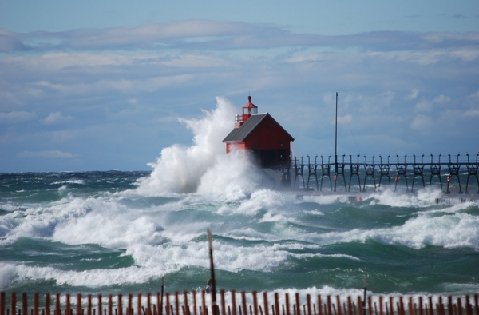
{"points": [[168, 310], [468, 306], [138, 304], [57, 304], [89, 306], [243, 302], [288, 306], [185, 303], [255, 302], [120, 304], [203, 302], [338, 303], [370, 306], [2, 303], [265, 303], [296, 301], [328, 304], [130, 304], [381, 305], [36, 302], [276, 303], [360, 306], [24, 304], [391, 305], [476, 303], [233, 301], [459, 306], [99, 304], [47, 303], [177, 303], [67, 304], [450, 308], [79, 306], [110, 304], [410, 306], [223, 302], [162, 292], [350, 309], [148, 304], [320, 305], [193, 293], [13, 303]]}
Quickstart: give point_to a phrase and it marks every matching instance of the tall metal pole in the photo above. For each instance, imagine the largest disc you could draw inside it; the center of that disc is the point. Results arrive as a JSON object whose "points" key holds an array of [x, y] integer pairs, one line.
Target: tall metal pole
{"points": [[336, 138], [214, 307]]}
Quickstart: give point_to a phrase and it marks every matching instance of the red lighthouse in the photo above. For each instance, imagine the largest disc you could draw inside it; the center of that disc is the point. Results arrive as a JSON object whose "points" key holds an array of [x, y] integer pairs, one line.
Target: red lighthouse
{"points": [[262, 135]]}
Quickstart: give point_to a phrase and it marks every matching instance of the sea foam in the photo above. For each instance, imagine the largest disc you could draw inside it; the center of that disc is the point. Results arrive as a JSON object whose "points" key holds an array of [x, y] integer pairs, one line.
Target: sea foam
{"points": [[202, 167]]}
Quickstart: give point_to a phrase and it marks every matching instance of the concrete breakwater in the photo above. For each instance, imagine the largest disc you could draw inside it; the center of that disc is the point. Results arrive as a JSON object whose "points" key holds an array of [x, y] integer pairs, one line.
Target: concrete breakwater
{"points": [[234, 303]]}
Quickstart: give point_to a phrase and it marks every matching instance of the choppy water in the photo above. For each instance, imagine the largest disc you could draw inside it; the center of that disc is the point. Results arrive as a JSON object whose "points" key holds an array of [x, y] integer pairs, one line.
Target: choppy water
{"points": [[110, 231], [96, 231]]}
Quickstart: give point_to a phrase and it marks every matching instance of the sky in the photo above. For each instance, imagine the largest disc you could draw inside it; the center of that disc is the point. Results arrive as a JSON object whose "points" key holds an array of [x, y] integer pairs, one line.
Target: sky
{"points": [[101, 85]]}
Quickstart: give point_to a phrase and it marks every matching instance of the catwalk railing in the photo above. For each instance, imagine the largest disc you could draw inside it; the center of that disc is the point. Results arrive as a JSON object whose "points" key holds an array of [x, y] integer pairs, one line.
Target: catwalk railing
{"points": [[449, 172], [233, 303]]}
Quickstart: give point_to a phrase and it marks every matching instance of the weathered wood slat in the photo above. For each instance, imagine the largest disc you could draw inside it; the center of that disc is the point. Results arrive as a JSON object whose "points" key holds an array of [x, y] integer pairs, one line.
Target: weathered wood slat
{"points": [[251, 304]]}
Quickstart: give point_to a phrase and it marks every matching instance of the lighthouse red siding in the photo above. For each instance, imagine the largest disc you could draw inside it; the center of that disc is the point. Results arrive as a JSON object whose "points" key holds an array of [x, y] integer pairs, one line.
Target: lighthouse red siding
{"points": [[269, 143], [268, 136]]}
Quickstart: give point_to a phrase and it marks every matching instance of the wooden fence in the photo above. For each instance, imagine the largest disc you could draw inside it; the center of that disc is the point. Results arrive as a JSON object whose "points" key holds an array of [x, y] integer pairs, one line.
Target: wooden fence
{"points": [[233, 303]]}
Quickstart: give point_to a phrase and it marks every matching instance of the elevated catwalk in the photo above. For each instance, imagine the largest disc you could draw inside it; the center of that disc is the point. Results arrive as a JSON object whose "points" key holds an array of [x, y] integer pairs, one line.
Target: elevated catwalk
{"points": [[456, 174]]}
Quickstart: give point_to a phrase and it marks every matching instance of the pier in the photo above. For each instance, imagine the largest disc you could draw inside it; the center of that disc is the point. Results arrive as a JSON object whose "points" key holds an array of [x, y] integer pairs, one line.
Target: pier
{"points": [[234, 303], [452, 173]]}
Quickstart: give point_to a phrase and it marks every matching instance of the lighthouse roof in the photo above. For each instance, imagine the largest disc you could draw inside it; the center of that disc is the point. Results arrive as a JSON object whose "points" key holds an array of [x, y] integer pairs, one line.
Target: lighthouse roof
{"points": [[241, 133]]}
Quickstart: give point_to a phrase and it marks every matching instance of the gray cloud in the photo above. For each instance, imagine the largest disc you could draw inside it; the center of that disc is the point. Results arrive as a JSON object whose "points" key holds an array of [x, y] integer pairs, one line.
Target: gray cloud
{"points": [[210, 35], [47, 154]]}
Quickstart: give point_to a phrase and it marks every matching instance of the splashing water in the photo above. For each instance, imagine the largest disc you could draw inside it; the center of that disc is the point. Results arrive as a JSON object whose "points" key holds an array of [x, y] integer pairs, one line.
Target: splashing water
{"points": [[203, 167]]}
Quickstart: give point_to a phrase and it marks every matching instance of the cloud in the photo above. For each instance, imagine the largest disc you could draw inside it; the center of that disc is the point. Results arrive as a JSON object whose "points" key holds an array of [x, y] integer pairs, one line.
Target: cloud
{"points": [[426, 57], [442, 99], [345, 119], [119, 85], [413, 94], [10, 42], [459, 16], [421, 123], [423, 106], [47, 154], [472, 113], [391, 85], [55, 117], [221, 35]]}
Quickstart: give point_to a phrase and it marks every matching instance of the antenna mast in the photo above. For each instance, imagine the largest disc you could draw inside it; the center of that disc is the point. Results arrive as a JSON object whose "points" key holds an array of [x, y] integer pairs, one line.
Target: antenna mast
{"points": [[336, 139]]}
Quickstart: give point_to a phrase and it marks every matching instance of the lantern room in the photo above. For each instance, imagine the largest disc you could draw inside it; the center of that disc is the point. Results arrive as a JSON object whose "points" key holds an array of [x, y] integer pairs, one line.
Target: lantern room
{"points": [[248, 109], [262, 135]]}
